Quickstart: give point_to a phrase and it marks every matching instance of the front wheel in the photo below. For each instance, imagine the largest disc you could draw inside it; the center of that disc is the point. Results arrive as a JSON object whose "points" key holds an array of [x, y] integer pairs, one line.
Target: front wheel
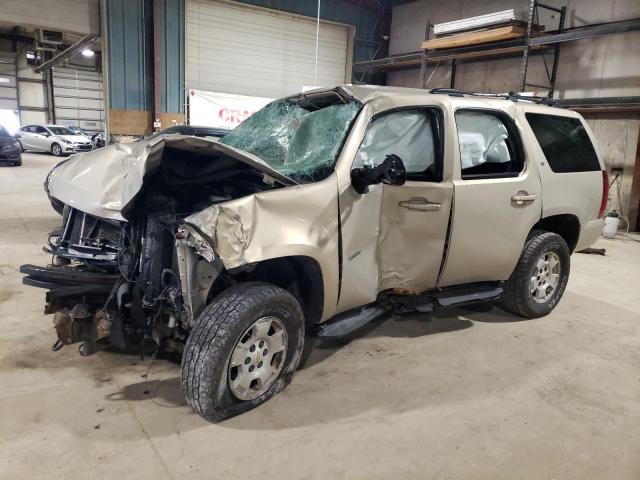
{"points": [[540, 277], [56, 149], [244, 349]]}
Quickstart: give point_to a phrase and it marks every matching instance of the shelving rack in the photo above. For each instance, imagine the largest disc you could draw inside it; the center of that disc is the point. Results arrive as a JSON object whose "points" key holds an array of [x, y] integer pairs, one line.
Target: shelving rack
{"points": [[524, 48], [534, 5]]}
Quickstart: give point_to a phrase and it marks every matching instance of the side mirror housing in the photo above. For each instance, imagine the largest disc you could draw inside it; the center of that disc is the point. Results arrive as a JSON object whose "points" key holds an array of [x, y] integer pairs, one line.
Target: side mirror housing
{"points": [[390, 172]]}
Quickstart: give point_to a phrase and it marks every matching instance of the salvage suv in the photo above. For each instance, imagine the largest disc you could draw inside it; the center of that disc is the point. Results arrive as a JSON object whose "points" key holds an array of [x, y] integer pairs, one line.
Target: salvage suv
{"points": [[321, 212]]}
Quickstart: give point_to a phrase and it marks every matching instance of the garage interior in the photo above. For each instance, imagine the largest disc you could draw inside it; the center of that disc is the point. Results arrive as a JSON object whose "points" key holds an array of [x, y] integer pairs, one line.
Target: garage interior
{"points": [[470, 392]]}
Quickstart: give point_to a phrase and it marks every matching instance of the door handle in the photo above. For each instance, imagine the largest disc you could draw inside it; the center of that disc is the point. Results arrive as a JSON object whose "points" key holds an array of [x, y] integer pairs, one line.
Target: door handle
{"points": [[421, 204], [523, 197]]}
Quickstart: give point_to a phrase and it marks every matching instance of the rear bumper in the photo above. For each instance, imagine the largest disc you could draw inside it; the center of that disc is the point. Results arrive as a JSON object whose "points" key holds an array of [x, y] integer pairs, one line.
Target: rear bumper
{"points": [[589, 233]]}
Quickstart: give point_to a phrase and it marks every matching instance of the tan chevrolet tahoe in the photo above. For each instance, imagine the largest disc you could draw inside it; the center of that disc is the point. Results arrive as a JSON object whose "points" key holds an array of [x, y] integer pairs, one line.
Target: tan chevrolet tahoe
{"points": [[321, 212]]}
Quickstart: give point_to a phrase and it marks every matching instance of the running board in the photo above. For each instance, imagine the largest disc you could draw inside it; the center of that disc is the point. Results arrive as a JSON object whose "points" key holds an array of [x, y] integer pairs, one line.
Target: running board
{"points": [[451, 297], [348, 322]]}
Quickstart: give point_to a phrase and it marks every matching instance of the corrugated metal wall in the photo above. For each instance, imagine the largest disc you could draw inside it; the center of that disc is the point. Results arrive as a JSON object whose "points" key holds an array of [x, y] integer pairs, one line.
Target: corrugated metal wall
{"points": [[9, 82], [271, 54], [337, 11], [129, 39], [78, 97], [130, 54], [172, 51]]}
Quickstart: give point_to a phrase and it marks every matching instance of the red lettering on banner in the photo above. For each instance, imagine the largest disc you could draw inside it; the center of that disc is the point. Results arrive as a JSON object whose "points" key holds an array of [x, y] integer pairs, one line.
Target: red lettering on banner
{"points": [[233, 116]]}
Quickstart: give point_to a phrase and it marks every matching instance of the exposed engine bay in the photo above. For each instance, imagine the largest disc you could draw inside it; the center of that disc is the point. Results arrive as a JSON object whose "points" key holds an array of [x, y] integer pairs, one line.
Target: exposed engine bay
{"points": [[153, 230], [141, 282]]}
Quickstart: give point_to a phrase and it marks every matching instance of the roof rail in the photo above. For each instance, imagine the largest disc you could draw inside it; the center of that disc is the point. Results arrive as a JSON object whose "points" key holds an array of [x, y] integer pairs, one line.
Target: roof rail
{"points": [[513, 96]]}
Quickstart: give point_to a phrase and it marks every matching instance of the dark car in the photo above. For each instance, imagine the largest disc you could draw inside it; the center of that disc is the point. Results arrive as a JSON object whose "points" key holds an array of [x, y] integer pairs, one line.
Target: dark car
{"points": [[10, 150], [192, 130]]}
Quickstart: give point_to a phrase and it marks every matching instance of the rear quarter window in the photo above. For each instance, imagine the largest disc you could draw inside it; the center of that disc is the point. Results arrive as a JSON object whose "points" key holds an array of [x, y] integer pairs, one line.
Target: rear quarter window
{"points": [[564, 142]]}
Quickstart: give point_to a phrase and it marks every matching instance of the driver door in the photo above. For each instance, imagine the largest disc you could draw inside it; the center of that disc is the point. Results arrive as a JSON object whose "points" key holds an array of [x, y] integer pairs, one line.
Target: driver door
{"points": [[410, 220], [26, 137]]}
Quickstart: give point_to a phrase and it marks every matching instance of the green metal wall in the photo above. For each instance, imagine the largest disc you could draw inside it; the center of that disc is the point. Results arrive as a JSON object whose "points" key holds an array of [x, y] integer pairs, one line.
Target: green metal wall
{"points": [[172, 54], [130, 53], [130, 45]]}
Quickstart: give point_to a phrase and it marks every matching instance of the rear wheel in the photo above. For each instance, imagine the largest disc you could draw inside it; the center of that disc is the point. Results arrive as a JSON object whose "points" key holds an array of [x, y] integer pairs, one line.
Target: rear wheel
{"points": [[56, 149], [540, 277], [243, 350]]}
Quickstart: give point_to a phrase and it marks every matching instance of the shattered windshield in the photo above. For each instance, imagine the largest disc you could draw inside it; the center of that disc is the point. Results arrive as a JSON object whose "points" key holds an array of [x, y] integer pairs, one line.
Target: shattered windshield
{"points": [[298, 137]]}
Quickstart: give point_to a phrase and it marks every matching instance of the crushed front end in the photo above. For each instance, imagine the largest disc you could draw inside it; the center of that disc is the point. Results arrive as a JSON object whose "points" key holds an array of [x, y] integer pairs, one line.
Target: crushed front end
{"points": [[121, 283], [126, 270]]}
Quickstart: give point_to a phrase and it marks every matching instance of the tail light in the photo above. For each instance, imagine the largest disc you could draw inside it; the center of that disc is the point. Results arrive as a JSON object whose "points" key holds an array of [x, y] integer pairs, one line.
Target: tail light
{"points": [[605, 193]]}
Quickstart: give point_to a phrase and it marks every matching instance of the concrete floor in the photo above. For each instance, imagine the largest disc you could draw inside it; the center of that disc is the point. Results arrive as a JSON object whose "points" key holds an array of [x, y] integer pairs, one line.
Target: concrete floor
{"points": [[466, 394]]}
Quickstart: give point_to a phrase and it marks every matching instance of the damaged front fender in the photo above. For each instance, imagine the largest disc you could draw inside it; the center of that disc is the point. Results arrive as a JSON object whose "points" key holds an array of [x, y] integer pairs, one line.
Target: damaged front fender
{"points": [[295, 221]]}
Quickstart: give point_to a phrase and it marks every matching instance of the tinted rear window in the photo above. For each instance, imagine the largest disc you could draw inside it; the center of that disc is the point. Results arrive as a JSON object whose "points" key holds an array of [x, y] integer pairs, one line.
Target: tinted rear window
{"points": [[565, 143]]}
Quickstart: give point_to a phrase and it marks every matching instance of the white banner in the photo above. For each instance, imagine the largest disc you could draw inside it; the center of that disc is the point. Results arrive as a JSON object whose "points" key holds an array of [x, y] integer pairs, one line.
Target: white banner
{"points": [[222, 110]]}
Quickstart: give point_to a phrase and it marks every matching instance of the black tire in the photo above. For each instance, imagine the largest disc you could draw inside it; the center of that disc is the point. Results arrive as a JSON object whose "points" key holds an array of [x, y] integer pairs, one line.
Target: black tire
{"points": [[517, 296], [207, 352], [21, 147], [57, 152]]}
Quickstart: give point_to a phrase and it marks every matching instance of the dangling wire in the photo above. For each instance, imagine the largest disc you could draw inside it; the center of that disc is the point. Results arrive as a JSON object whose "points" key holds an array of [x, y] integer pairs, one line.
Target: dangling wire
{"points": [[315, 70]]}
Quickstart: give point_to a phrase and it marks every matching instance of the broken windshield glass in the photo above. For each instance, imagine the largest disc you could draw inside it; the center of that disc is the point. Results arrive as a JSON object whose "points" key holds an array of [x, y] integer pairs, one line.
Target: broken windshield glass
{"points": [[301, 142]]}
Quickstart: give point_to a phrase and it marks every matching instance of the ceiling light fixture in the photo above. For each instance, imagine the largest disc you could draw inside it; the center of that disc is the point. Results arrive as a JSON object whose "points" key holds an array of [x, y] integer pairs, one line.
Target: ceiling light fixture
{"points": [[87, 52]]}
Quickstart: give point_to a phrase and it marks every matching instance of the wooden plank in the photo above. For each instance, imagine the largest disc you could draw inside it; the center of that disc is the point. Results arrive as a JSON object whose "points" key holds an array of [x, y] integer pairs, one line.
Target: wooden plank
{"points": [[130, 122], [481, 53], [475, 38]]}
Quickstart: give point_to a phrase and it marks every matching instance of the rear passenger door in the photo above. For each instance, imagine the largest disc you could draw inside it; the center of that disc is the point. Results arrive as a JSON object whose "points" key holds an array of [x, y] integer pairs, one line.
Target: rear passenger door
{"points": [[26, 137], [41, 138], [496, 198]]}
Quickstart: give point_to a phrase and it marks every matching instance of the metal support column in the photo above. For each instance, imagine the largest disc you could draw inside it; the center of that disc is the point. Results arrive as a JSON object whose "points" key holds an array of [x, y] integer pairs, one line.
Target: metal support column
{"points": [[527, 47], [158, 12], [556, 55], [424, 54], [49, 96], [453, 73]]}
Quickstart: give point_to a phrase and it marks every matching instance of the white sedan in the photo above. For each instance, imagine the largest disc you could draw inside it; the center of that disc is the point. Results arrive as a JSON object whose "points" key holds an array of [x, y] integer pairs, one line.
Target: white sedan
{"points": [[56, 139]]}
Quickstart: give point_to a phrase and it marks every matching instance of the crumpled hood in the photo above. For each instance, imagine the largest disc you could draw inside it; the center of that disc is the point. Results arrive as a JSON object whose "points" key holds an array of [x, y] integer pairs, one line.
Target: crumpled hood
{"points": [[102, 182]]}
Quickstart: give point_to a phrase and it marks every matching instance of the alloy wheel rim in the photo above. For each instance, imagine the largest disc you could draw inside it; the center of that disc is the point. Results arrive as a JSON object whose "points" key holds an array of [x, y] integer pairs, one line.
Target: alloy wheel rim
{"points": [[258, 358], [56, 150], [545, 277]]}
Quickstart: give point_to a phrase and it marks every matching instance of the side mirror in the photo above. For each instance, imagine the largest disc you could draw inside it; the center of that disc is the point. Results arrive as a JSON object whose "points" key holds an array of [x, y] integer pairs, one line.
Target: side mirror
{"points": [[389, 172], [45, 134]]}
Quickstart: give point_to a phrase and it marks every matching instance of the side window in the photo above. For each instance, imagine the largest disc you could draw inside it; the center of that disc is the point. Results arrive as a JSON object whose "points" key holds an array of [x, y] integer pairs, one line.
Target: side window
{"points": [[487, 145], [39, 129], [413, 135], [565, 143]]}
